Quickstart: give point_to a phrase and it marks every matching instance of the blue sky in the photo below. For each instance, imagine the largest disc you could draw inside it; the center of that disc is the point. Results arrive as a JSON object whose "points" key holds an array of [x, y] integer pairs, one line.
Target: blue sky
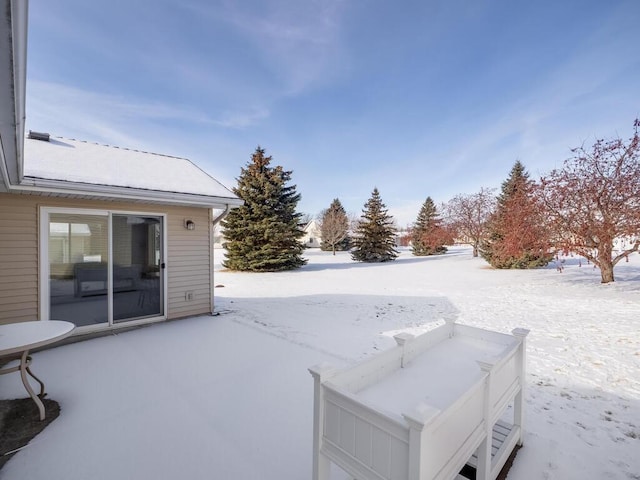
{"points": [[416, 98]]}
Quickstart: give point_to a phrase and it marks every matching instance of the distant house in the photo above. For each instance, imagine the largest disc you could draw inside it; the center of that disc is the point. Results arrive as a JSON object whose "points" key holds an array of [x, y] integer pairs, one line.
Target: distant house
{"points": [[101, 236], [312, 235]]}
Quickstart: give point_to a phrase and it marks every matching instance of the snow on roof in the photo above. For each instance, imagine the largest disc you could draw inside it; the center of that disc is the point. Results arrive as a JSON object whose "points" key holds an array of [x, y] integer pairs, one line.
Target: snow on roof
{"points": [[68, 160]]}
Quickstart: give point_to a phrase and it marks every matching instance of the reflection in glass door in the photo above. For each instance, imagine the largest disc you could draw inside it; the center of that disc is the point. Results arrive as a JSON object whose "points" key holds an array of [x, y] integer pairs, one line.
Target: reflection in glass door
{"points": [[78, 274], [103, 267], [137, 257]]}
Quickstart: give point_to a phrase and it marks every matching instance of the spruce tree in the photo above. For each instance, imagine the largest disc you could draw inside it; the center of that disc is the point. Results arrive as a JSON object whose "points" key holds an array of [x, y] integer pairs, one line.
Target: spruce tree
{"points": [[334, 228], [427, 234], [374, 239], [263, 235], [517, 237]]}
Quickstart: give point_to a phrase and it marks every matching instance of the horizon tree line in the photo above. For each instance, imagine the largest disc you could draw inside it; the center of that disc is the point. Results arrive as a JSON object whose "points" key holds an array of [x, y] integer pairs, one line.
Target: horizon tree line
{"points": [[590, 206]]}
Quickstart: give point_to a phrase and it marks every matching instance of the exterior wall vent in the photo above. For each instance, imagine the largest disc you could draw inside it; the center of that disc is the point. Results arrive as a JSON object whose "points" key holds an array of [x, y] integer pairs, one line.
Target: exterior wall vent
{"points": [[38, 136]]}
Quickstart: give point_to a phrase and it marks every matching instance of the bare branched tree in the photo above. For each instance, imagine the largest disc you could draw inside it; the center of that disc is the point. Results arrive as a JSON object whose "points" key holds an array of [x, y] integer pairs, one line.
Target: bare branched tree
{"points": [[593, 202], [334, 227], [467, 216]]}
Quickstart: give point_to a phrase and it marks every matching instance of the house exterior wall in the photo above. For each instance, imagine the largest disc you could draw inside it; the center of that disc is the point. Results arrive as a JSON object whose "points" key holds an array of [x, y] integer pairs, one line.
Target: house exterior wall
{"points": [[188, 254], [188, 262], [18, 259], [312, 237]]}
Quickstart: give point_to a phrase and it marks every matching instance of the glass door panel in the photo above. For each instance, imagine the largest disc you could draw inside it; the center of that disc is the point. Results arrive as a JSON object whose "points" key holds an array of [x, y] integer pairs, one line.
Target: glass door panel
{"points": [[78, 268], [137, 256]]}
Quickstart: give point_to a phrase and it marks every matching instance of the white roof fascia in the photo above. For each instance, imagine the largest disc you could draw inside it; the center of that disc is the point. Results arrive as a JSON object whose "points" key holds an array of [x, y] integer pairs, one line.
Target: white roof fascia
{"points": [[63, 187], [20, 34], [13, 63]]}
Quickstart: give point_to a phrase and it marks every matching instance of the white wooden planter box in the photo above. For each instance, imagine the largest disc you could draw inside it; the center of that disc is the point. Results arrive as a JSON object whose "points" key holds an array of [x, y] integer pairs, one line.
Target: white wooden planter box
{"points": [[423, 409]]}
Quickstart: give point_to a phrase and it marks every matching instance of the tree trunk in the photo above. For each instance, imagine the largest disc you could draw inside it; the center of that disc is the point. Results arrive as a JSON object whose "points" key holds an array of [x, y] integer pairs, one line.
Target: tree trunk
{"points": [[606, 266], [606, 270], [475, 249]]}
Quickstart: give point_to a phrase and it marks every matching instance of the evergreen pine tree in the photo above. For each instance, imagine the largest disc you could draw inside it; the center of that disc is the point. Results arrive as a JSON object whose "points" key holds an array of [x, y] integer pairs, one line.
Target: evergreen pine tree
{"points": [[334, 228], [427, 233], [374, 239], [263, 235], [516, 233]]}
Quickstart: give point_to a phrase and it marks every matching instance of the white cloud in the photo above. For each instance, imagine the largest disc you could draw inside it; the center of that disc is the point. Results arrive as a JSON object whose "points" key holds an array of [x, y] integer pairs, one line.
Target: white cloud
{"points": [[299, 41], [240, 119], [114, 119], [75, 109]]}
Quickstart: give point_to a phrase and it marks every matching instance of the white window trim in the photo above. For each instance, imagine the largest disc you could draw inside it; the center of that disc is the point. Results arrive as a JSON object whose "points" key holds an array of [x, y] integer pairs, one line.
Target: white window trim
{"points": [[43, 277]]}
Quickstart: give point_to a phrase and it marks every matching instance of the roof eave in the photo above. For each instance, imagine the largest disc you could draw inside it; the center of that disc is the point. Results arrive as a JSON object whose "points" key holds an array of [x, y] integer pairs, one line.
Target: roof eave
{"points": [[109, 192], [13, 65]]}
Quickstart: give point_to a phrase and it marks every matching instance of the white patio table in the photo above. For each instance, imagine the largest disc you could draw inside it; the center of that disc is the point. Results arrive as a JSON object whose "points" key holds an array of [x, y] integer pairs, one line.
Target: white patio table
{"points": [[17, 339]]}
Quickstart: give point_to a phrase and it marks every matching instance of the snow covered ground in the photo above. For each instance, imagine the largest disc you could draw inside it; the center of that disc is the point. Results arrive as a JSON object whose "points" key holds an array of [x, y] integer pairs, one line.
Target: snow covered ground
{"points": [[229, 397]]}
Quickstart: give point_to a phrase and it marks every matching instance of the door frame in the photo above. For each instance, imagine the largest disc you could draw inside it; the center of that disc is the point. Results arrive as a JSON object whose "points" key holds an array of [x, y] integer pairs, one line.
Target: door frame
{"points": [[44, 269]]}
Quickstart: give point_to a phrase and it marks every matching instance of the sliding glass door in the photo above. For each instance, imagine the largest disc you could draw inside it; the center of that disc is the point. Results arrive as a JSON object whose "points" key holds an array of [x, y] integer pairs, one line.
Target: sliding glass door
{"points": [[137, 252], [102, 267]]}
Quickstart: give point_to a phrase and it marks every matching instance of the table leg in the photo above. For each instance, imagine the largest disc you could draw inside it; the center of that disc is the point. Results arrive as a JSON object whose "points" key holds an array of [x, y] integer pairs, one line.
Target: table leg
{"points": [[24, 369], [41, 394]]}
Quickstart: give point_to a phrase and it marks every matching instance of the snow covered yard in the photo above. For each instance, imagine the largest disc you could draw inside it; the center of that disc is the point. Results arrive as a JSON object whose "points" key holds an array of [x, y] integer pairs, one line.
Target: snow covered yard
{"points": [[230, 397]]}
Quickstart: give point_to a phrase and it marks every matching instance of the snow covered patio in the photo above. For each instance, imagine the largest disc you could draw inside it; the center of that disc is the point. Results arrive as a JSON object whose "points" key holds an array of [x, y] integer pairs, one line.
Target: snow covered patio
{"points": [[230, 396]]}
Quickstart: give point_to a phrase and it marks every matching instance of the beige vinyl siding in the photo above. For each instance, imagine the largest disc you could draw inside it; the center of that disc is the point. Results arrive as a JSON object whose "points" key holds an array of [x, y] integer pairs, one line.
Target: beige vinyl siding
{"points": [[188, 262], [188, 254], [18, 260]]}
